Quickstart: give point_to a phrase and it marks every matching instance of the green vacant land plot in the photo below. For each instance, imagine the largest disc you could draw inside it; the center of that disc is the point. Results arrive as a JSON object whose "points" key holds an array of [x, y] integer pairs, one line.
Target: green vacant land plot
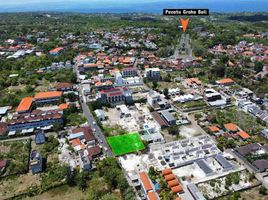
{"points": [[123, 144]]}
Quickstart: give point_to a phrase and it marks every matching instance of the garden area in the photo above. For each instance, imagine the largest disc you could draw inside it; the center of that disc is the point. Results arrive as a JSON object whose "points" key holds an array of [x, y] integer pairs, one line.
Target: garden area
{"points": [[17, 153], [244, 120], [228, 184]]}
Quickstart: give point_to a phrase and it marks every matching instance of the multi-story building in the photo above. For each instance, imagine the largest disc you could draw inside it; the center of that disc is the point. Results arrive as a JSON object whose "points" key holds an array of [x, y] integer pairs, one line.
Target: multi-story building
{"points": [[47, 97], [129, 72], [35, 119], [212, 95], [115, 96], [25, 105], [152, 73], [153, 98]]}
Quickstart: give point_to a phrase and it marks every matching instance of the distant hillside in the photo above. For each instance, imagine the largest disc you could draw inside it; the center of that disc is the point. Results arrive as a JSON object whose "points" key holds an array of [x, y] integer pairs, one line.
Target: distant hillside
{"points": [[251, 18]]}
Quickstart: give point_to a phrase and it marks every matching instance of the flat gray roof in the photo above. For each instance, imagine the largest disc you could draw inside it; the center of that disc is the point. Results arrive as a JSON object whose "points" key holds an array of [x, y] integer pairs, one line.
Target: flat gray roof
{"points": [[197, 195], [204, 166], [167, 115], [223, 162]]}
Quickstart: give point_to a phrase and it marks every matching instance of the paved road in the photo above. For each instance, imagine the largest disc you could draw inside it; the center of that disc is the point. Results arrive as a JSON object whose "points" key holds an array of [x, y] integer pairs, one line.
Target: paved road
{"points": [[26, 137], [97, 133], [17, 139]]}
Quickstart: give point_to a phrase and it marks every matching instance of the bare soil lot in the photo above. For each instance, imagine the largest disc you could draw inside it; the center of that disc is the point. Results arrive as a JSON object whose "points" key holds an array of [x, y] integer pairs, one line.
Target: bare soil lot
{"points": [[11, 186]]}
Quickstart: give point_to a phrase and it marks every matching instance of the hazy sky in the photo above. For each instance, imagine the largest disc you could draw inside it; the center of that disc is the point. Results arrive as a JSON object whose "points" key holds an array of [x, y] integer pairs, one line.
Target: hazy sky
{"points": [[14, 2], [135, 5]]}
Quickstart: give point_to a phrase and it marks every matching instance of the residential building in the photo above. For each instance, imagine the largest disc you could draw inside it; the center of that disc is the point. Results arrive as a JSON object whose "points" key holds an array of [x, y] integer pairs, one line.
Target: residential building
{"points": [[40, 137], [100, 114], [147, 187], [85, 134], [202, 164], [261, 165], [47, 97], [157, 117], [155, 100], [86, 89], [168, 117], [172, 181], [56, 51], [192, 82], [35, 119], [93, 152], [64, 86], [115, 96], [152, 73], [36, 162], [129, 72], [256, 150], [264, 133], [225, 82], [212, 95], [25, 105], [3, 111]]}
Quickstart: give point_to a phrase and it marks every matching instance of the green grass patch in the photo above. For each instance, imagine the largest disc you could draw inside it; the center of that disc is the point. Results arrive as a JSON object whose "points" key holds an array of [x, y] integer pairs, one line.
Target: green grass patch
{"points": [[123, 144]]}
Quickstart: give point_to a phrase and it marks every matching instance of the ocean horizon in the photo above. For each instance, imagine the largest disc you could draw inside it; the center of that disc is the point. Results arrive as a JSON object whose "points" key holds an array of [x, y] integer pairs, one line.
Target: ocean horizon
{"points": [[127, 6]]}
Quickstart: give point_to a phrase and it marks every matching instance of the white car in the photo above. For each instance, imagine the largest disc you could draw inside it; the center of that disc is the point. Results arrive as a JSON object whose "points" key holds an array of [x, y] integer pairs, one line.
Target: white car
{"points": [[94, 123], [94, 130]]}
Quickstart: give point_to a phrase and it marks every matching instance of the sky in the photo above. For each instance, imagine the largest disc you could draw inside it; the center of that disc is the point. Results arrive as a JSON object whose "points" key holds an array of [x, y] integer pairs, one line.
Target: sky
{"points": [[130, 5]]}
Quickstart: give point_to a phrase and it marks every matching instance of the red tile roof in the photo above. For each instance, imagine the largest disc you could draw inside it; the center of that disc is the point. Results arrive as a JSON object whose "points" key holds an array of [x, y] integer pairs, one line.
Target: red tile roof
{"points": [[177, 189], [56, 50], [231, 127], [173, 183], [63, 106], [25, 104], [48, 95], [225, 81], [145, 181], [88, 134], [76, 142], [193, 81], [170, 177], [243, 134], [159, 119], [152, 195], [63, 85], [213, 128], [93, 151], [166, 171]]}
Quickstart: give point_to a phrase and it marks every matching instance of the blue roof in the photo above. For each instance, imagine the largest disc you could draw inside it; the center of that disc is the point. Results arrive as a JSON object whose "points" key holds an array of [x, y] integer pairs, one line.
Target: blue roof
{"points": [[40, 138], [76, 135]]}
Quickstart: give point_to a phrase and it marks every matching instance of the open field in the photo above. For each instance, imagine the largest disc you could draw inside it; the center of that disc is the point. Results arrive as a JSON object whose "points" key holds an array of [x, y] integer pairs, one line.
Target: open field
{"points": [[123, 144], [63, 192], [244, 120], [17, 154], [11, 186]]}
